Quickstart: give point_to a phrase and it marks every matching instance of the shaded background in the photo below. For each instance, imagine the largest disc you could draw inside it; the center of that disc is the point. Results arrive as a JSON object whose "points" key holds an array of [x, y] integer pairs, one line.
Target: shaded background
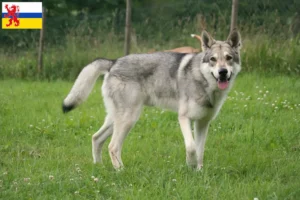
{"points": [[78, 31]]}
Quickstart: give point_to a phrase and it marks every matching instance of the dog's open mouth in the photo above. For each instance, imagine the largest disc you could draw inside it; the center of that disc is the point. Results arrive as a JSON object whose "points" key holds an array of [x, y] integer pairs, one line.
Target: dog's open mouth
{"points": [[223, 82]]}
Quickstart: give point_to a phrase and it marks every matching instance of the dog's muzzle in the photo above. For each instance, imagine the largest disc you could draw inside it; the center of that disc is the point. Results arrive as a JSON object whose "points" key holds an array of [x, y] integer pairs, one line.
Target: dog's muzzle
{"points": [[222, 80]]}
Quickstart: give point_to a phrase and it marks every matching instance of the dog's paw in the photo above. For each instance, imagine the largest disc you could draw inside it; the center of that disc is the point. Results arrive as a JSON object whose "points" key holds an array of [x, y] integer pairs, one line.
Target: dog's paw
{"points": [[191, 159], [199, 168], [119, 169], [97, 159]]}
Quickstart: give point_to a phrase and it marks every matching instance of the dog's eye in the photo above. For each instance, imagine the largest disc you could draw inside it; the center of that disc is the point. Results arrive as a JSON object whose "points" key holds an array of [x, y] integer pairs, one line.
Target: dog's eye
{"points": [[213, 59], [228, 57]]}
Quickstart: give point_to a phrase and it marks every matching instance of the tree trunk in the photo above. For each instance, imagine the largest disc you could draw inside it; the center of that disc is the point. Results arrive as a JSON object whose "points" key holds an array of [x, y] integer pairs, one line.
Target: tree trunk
{"points": [[127, 27], [41, 45], [234, 14]]}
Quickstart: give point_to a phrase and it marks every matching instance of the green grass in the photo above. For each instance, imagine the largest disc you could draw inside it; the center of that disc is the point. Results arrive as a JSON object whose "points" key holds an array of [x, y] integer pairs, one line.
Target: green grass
{"points": [[253, 148]]}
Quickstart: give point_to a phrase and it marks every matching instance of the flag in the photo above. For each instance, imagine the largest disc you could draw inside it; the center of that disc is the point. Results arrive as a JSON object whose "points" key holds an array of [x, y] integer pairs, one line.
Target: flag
{"points": [[22, 15]]}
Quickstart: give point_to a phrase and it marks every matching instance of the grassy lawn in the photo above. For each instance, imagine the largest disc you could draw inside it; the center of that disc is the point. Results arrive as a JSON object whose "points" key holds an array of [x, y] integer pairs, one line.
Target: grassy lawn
{"points": [[253, 148]]}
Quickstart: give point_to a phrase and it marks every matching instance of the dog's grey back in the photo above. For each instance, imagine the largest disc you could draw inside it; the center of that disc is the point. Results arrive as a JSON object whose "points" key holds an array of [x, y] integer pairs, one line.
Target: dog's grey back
{"points": [[155, 76]]}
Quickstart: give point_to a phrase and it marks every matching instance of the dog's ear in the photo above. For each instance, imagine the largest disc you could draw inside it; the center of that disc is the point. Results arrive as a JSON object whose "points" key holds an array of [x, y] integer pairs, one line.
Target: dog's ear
{"points": [[234, 39], [207, 40]]}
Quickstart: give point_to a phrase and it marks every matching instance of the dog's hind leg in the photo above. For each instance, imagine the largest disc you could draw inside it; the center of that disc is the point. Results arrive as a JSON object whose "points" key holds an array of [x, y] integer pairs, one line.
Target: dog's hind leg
{"points": [[200, 132], [123, 122], [99, 138]]}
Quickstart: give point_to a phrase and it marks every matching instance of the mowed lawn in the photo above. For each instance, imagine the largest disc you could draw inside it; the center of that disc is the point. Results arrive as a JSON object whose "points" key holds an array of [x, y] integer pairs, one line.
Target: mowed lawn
{"points": [[252, 151]]}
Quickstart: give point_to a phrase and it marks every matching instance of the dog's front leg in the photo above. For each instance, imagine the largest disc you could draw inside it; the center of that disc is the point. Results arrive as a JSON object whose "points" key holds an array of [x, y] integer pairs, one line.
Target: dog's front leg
{"points": [[185, 125], [200, 132]]}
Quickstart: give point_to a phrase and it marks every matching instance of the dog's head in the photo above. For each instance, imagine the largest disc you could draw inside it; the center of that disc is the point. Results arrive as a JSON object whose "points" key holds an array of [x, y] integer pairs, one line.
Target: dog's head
{"points": [[222, 57]]}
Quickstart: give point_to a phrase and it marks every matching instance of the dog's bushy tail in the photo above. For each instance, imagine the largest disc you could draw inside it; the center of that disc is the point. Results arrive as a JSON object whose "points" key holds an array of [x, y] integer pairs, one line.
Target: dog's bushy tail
{"points": [[85, 83]]}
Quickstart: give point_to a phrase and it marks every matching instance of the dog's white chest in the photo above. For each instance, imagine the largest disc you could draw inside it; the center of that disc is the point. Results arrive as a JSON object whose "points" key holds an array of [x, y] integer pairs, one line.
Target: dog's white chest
{"points": [[196, 111], [209, 112]]}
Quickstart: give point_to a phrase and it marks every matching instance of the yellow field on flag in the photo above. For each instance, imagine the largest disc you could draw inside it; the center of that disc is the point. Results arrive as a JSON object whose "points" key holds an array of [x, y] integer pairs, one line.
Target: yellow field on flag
{"points": [[25, 23]]}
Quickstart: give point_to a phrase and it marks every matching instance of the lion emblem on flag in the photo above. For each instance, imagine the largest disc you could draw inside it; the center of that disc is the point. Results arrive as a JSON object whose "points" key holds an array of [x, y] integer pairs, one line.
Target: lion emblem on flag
{"points": [[12, 13]]}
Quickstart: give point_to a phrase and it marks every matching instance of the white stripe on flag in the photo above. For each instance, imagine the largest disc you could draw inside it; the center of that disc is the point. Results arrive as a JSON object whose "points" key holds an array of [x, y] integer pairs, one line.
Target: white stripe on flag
{"points": [[25, 7]]}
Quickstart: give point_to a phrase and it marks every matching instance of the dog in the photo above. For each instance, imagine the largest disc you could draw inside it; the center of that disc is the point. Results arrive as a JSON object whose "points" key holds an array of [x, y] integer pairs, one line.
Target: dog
{"points": [[193, 85], [186, 49], [198, 37]]}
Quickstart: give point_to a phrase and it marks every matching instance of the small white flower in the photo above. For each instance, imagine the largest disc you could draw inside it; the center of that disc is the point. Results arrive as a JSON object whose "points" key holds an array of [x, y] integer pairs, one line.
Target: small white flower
{"points": [[76, 192], [273, 104], [96, 180], [92, 177], [51, 177], [174, 180], [26, 179]]}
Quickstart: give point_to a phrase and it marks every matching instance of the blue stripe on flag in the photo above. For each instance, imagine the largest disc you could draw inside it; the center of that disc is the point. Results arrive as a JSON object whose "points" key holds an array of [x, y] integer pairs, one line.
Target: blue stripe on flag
{"points": [[27, 15]]}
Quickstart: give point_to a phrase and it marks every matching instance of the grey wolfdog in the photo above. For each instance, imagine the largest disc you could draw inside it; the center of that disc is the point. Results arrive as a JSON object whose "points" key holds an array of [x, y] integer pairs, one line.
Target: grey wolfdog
{"points": [[194, 85]]}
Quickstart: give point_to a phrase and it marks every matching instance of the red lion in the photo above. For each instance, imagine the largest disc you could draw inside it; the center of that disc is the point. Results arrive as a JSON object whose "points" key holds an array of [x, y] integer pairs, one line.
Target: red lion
{"points": [[12, 14]]}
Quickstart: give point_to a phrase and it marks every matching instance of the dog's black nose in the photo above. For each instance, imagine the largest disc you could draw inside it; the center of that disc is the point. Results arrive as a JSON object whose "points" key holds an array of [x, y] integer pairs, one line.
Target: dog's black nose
{"points": [[223, 72]]}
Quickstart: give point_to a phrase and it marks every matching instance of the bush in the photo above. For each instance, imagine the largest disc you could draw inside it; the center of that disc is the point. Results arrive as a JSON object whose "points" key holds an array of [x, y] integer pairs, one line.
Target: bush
{"points": [[260, 52]]}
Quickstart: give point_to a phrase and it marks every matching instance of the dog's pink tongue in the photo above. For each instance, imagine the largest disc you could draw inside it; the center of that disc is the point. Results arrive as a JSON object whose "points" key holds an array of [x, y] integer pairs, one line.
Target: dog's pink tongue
{"points": [[223, 85]]}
